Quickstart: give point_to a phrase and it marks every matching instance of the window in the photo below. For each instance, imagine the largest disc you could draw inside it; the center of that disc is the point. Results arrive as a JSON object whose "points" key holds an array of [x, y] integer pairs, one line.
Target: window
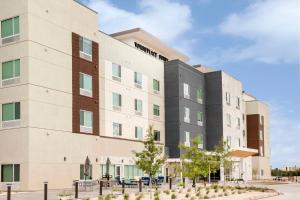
{"points": [[86, 85], [238, 123], [86, 174], [116, 71], [200, 118], [261, 151], [10, 173], [85, 46], [239, 142], [262, 172], [156, 110], [10, 27], [11, 69], [237, 102], [138, 106], [261, 135], [199, 96], [139, 133], [156, 86], [138, 78], [131, 171], [227, 98], [186, 90], [112, 170], [200, 145], [11, 111], [86, 121], [156, 135], [187, 139], [117, 129], [117, 100], [186, 115], [228, 119], [261, 120], [228, 142]]}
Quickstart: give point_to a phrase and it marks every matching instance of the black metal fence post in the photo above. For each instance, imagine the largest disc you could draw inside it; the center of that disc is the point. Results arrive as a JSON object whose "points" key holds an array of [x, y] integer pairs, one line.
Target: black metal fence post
{"points": [[183, 180], [140, 185], [123, 186], [45, 190], [76, 189], [8, 191], [101, 185], [170, 183]]}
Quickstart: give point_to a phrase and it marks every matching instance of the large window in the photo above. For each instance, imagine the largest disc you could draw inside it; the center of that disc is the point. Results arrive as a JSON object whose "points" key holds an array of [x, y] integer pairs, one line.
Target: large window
{"points": [[200, 118], [186, 91], [138, 106], [117, 129], [116, 71], [131, 171], [199, 96], [156, 135], [186, 115], [86, 121], [11, 111], [86, 174], [10, 173], [85, 46], [139, 133], [11, 69], [86, 85], [117, 100], [138, 78], [156, 86], [112, 171], [156, 110], [10, 27]]}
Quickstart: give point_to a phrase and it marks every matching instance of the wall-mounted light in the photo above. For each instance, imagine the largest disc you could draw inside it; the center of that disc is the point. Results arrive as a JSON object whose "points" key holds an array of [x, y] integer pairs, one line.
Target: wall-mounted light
{"points": [[65, 159]]}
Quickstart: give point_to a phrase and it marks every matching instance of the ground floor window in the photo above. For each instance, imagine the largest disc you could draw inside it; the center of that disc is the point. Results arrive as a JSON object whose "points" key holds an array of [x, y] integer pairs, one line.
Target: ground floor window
{"points": [[86, 174], [10, 173], [112, 170], [131, 171]]}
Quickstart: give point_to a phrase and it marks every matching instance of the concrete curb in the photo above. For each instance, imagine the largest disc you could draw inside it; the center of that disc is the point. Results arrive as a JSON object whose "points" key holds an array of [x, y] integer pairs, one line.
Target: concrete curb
{"points": [[264, 196]]}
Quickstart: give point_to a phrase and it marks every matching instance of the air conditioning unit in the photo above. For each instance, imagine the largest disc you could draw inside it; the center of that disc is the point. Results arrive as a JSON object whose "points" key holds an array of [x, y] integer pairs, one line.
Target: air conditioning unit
{"points": [[11, 124], [137, 85], [86, 93], [84, 129], [85, 56], [115, 78], [10, 39], [10, 81]]}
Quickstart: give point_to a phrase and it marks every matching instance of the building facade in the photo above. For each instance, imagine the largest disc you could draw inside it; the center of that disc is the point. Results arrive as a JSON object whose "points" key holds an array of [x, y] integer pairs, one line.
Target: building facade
{"points": [[258, 136], [185, 106]]}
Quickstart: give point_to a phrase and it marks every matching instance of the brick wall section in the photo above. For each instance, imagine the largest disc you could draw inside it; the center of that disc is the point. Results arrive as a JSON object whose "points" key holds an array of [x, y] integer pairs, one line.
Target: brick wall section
{"points": [[79, 101]]}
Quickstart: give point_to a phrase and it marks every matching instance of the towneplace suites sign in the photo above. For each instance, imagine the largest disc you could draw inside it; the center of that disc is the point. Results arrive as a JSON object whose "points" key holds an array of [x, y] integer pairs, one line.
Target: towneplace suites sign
{"points": [[150, 52]]}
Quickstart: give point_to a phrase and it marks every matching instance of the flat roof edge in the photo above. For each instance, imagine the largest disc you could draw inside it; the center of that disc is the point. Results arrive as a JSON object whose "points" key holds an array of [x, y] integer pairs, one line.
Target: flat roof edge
{"points": [[77, 1]]}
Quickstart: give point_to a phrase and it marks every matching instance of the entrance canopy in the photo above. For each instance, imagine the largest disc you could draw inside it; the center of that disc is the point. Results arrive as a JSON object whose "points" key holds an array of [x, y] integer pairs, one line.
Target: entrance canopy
{"points": [[243, 152]]}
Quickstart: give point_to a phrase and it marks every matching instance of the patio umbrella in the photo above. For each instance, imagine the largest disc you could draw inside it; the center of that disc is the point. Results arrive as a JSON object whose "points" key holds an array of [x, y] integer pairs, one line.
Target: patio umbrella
{"points": [[107, 167], [87, 166]]}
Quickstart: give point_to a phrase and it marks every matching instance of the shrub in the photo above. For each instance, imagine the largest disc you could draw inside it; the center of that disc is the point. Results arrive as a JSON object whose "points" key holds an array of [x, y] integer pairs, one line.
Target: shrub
{"points": [[65, 194], [220, 195], [126, 196], [108, 197], [207, 191], [198, 194], [86, 198], [216, 190], [239, 192], [100, 197], [173, 190], [225, 194], [215, 186], [189, 190], [187, 195], [206, 197], [167, 192], [139, 197], [156, 193], [156, 198], [173, 196], [224, 189]]}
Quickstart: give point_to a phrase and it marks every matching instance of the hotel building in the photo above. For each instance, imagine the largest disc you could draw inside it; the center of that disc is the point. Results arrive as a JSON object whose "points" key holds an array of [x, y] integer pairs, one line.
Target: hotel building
{"points": [[69, 92]]}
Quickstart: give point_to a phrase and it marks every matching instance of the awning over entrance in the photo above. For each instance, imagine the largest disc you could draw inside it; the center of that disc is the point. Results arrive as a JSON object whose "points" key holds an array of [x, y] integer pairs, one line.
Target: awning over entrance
{"points": [[243, 152]]}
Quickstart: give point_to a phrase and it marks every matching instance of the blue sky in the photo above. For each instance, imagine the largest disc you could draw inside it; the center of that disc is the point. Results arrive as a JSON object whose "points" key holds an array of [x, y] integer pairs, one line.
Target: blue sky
{"points": [[256, 41]]}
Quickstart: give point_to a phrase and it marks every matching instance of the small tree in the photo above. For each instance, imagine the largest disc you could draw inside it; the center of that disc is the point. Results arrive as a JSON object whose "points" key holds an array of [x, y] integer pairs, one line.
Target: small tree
{"points": [[223, 156], [195, 162], [152, 158]]}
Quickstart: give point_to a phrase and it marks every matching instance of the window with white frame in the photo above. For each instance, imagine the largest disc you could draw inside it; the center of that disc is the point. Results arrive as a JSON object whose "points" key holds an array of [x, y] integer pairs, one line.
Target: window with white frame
{"points": [[186, 115], [186, 90], [117, 129], [138, 106], [10, 27], [86, 121], [200, 145], [156, 86], [85, 47], [227, 98], [156, 110], [139, 133], [187, 139], [228, 119], [86, 85], [116, 100], [11, 70], [138, 78], [10, 173], [116, 71], [200, 96], [200, 118]]}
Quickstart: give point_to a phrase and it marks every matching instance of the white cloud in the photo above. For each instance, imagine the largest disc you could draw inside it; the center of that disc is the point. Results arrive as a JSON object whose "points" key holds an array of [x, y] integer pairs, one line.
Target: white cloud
{"points": [[270, 30], [284, 133], [165, 19]]}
